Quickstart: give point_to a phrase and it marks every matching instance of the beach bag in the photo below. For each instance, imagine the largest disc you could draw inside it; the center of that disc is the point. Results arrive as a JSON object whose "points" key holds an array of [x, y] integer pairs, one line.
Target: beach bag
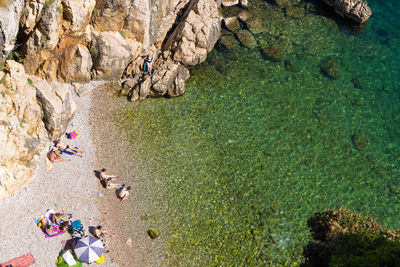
{"points": [[72, 135]]}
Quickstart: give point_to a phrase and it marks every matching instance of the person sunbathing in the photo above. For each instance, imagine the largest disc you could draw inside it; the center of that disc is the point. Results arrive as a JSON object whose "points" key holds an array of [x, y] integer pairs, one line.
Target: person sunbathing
{"points": [[107, 179], [54, 156], [60, 219], [64, 147]]}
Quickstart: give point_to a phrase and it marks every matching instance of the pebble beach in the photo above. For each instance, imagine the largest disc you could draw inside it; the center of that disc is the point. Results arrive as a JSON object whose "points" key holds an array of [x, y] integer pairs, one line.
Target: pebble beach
{"points": [[72, 187]]}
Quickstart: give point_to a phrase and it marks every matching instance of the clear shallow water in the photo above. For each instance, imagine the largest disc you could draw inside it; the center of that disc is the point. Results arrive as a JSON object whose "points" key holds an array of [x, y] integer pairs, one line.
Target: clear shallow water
{"points": [[254, 148]]}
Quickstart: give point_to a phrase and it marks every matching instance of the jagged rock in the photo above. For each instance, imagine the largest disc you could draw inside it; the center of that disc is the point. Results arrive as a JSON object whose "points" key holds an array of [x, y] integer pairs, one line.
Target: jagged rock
{"points": [[330, 67], [356, 10], [76, 64], [246, 39], [9, 24], [230, 2], [22, 131], [114, 54], [78, 13], [197, 34], [170, 79], [295, 11], [141, 89], [57, 104], [232, 23], [50, 25], [244, 15], [130, 17], [80, 89]]}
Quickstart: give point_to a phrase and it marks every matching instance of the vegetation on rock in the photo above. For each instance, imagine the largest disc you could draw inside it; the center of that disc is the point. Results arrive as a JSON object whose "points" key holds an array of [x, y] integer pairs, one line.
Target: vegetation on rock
{"points": [[345, 238]]}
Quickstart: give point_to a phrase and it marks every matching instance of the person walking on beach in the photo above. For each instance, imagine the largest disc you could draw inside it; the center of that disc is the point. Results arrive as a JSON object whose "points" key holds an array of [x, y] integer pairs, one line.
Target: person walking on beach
{"points": [[64, 147], [124, 192]]}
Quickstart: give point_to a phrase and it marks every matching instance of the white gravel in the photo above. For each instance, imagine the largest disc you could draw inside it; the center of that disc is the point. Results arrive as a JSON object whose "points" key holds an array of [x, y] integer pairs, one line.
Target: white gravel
{"points": [[69, 187]]}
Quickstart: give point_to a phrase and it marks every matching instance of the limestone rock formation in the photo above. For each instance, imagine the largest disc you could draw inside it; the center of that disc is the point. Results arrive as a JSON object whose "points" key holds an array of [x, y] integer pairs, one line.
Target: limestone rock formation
{"points": [[168, 79], [229, 2], [57, 104], [356, 10], [114, 52], [197, 34], [9, 25], [22, 130]]}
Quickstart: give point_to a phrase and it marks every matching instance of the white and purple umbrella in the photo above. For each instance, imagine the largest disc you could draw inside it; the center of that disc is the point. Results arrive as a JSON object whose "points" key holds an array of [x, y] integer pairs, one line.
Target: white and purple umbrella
{"points": [[89, 249]]}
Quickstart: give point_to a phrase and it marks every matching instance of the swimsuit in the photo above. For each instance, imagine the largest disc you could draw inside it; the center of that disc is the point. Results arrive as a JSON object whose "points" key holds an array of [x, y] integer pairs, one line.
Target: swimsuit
{"points": [[149, 60]]}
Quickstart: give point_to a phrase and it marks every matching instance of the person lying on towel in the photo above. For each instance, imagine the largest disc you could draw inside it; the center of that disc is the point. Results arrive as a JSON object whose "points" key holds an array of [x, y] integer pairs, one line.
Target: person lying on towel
{"points": [[64, 147]]}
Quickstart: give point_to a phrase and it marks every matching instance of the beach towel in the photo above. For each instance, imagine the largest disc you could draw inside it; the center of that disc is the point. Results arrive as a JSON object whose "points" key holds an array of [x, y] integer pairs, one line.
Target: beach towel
{"points": [[56, 228], [69, 153]]}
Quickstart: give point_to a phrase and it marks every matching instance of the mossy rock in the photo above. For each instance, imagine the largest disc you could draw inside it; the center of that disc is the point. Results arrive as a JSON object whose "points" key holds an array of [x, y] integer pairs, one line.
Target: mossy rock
{"points": [[228, 41], [246, 39], [255, 26], [295, 11], [330, 67], [153, 232], [272, 53], [232, 24]]}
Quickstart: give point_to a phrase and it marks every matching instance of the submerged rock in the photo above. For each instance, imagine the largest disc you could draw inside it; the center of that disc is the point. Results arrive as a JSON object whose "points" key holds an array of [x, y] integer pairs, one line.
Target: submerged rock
{"points": [[232, 24], [228, 41], [358, 142], [246, 39], [330, 67], [295, 11], [274, 54], [153, 232]]}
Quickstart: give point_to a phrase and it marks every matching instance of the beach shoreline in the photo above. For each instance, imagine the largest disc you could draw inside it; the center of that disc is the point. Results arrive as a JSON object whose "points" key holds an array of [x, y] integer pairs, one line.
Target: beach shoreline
{"points": [[127, 219]]}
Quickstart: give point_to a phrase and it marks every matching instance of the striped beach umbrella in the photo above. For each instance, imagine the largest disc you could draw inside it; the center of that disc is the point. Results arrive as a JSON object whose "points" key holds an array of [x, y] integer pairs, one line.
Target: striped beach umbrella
{"points": [[89, 249]]}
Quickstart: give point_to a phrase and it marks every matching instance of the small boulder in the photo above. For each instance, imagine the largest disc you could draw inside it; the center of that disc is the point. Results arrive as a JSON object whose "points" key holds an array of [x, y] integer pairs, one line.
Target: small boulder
{"points": [[330, 67], [295, 11], [228, 41], [229, 2], [244, 3], [358, 142], [153, 233], [243, 15], [272, 53], [254, 26], [246, 39], [232, 24]]}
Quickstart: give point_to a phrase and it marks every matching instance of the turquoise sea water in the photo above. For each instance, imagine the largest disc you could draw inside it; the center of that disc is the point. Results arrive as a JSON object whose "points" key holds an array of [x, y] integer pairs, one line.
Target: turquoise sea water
{"points": [[255, 147]]}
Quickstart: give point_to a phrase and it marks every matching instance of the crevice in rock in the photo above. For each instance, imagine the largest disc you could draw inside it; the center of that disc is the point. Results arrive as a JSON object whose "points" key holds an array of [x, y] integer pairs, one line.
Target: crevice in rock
{"points": [[181, 16]]}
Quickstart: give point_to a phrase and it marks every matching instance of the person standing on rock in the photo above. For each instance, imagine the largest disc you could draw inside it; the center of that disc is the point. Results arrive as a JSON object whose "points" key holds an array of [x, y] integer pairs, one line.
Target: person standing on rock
{"points": [[149, 63]]}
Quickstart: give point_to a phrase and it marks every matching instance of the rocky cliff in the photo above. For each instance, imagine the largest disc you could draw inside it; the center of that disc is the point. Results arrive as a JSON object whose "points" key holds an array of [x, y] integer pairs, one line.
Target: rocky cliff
{"points": [[57, 42]]}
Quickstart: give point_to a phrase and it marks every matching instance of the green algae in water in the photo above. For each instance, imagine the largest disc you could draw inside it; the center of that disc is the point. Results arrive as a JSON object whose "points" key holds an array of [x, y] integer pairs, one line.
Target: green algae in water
{"points": [[252, 150]]}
